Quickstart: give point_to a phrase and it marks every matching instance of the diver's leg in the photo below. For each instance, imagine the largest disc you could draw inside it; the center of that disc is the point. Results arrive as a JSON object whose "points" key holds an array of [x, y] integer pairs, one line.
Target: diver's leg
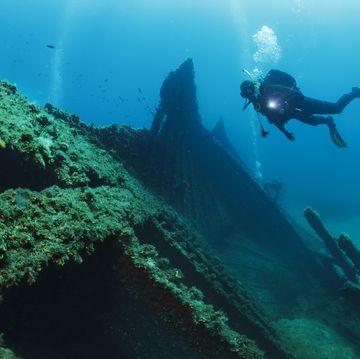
{"points": [[323, 120], [311, 105], [315, 120]]}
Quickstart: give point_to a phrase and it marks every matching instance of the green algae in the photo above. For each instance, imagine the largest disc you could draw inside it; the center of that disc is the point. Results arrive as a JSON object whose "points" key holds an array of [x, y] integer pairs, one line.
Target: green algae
{"points": [[56, 225], [49, 142]]}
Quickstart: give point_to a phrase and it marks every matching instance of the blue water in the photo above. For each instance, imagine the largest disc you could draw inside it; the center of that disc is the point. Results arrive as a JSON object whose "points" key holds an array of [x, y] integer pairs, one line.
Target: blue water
{"points": [[111, 57]]}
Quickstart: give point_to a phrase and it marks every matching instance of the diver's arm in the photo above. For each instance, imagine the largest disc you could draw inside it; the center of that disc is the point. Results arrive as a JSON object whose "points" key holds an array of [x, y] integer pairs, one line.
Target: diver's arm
{"points": [[289, 135]]}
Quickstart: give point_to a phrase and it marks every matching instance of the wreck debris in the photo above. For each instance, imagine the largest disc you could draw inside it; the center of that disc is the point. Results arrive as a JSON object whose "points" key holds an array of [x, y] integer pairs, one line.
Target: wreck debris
{"points": [[348, 247], [334, 247]]}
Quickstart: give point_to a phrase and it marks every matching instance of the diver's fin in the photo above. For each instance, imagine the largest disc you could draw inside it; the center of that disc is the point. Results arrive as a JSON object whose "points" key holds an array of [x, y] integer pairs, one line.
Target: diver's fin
{"points": [[336, 138]]}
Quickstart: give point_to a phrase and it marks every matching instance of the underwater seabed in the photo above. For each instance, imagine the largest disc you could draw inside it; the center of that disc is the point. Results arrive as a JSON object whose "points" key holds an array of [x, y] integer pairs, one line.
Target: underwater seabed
{"points": [[307, 319], [132, 243]]}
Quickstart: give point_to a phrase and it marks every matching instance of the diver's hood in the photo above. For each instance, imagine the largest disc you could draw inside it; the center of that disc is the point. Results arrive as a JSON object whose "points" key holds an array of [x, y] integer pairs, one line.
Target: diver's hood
{"points": [[247, 91]]}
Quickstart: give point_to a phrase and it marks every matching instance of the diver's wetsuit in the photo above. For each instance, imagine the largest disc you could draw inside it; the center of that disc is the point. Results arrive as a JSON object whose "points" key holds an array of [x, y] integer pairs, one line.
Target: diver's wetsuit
{"points": [[280, 104], [277, 101], [311, 105], [280, 100]]}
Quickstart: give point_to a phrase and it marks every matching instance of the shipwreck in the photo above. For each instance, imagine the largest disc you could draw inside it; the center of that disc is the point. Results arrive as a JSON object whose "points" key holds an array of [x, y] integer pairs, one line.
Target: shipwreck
{"points": [[150, 243]]}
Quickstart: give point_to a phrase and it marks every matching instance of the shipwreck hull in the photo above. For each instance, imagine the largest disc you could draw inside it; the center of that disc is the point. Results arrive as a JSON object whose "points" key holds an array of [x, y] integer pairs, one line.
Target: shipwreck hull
{"points": [[75, 208]]}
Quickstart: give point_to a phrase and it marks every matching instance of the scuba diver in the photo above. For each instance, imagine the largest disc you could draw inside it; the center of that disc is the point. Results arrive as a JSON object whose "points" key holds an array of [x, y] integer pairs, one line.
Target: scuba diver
{"points": [[278, 98]]}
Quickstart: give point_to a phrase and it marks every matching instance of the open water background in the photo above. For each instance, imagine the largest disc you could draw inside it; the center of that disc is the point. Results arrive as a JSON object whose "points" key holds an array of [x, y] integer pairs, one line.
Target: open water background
{"points": [[110, 59]]}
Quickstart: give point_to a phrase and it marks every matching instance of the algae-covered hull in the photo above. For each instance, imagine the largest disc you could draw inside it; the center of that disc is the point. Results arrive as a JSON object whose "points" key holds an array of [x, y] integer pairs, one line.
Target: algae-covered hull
{"points": [[64, 199]]}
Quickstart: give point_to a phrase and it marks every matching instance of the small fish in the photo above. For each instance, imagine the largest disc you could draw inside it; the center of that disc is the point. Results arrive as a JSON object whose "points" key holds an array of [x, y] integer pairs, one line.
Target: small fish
{"points": [[139, 89], [121, 99], [50, 46]]}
